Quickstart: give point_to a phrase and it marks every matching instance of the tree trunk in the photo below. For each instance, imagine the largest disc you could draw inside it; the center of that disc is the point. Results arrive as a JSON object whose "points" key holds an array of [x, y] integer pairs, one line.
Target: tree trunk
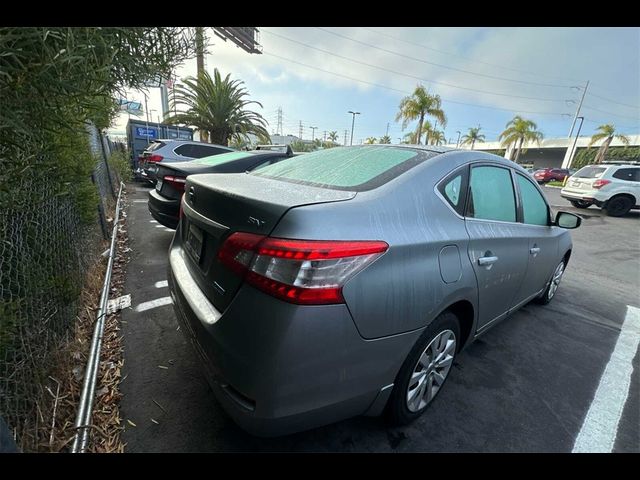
{"points": [[199, 50], [473, 142], [602, 151], [204, 136], [419, 132], [518, 148]]}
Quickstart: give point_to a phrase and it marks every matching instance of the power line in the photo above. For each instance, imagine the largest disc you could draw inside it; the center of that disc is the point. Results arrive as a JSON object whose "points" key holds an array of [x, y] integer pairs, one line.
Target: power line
{"points": [[614, 114], [443, 66], [468, 58], [404, 91], [613, 101], [411, 76]]}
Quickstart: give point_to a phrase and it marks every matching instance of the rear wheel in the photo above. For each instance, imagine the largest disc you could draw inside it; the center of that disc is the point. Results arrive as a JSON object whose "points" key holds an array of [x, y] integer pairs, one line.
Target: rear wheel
{"points": [[553, 285], [580, 203], [618, 206], [425, 370]]}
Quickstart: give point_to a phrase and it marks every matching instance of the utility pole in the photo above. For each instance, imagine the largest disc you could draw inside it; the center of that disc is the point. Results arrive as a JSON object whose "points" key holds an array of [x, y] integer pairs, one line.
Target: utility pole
{"points": [[575, 141], [300, 134], [146, 111], [313, 133], [324, 137], [279, 127], [346, 132], [458, 141], [387, 132], [575, 117], [353, 121]]}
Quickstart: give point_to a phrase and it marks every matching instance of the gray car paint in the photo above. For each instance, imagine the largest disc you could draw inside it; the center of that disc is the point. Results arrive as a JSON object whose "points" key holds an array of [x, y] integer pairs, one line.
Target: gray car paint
{"points": [[310, 365]]}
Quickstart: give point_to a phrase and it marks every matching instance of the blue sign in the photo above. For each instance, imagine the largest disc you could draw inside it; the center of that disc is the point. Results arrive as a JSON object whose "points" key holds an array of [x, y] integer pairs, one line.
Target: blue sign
{"points": [[146, 132]]}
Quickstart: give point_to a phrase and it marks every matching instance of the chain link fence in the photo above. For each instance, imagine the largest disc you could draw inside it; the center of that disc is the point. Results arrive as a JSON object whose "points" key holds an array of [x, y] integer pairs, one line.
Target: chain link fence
{"points": [[45, 252]]}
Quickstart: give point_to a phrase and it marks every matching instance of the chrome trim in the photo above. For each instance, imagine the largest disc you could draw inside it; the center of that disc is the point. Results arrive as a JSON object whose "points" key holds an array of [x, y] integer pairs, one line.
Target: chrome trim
{"points": [[198, 302], [189, 211]]}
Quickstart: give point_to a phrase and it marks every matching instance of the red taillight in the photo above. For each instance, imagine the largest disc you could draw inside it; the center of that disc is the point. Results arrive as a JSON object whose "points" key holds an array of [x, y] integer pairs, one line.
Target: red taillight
{"points": [[598, 184], [154, 158], [176, 182], [309, 272]]}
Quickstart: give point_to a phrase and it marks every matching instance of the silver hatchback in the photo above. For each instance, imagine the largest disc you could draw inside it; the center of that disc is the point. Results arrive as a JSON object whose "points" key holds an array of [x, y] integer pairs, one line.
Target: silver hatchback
{"points": [[346, 281], [172, 151]]}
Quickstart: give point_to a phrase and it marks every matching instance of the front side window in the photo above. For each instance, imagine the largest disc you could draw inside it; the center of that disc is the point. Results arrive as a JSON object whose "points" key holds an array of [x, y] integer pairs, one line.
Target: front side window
{"points": [[491, 195], [533, 205]]}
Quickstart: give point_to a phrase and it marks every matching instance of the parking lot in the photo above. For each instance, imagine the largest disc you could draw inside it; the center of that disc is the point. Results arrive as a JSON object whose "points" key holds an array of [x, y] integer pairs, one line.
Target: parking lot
{"points": [[525, 386]]}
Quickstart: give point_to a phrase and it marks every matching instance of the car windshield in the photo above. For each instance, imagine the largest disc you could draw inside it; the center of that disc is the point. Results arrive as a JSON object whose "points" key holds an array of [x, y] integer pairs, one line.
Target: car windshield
{"points": [[346, 168], [221, 158], [590, 172]]}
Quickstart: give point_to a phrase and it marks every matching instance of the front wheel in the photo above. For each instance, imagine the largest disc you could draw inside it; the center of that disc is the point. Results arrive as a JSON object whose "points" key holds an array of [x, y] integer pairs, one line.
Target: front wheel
{"points": [[553, 285], [425, 370]]}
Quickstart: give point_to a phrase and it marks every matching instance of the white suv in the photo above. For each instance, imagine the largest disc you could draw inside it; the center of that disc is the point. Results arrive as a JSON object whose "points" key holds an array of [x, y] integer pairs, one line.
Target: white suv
{"points": [[614, 188]]}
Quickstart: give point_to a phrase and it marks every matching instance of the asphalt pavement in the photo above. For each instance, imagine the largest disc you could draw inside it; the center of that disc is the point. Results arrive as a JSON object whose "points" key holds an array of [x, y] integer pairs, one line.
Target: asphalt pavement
{"points": [[533, 383]]}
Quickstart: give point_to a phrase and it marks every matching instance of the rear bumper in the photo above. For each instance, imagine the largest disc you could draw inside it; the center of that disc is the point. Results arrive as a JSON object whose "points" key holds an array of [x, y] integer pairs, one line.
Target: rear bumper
{"points": [[278, 368], [579, 196], [164, 210]]}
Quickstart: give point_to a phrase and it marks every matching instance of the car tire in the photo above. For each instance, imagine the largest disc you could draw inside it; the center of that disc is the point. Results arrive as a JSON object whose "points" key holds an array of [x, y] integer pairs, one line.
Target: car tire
{"points": [[618, 206], [435, 341], [552, 287], [580, 204]]}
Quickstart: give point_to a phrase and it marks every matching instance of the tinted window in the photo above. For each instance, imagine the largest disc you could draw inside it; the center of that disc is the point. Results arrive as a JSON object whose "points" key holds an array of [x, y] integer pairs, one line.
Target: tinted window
{"points": [[533, 205], [184, 150], [222, 158], [590, 172], [491, 195], [346, 168], [630, 174], [199, 151]]}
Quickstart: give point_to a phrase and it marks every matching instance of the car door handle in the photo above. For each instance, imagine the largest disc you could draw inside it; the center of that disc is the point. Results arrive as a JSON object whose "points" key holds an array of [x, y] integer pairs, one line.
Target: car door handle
{"points": [[483, 261], [534, 250]]}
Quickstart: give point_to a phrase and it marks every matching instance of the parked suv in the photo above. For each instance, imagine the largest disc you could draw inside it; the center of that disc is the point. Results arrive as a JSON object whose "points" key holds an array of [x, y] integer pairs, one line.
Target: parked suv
{"points": [[346, 282], [545, 175], [614, 188], [169, 151]]}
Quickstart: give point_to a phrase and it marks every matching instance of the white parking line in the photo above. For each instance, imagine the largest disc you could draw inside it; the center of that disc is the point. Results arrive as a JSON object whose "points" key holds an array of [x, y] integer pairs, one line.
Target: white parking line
{"points": [[600, 426], [140, 201], [160, 226], [161, 284], [158, 302]]}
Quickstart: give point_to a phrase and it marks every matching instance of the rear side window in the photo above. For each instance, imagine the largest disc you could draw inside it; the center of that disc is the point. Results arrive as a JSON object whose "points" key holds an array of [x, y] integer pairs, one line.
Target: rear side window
{"points": [[533, 205], [184, 150], [629, 174], [155, 146], [453, 189], [346, 168], [491, 194], [590, 172], [199, 151]]}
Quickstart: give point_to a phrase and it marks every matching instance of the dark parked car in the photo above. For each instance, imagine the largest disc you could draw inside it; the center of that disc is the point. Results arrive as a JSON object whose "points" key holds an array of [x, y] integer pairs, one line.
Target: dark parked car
{"points": [[545, 175], [174, 151], [164, 200], [347, 281]]}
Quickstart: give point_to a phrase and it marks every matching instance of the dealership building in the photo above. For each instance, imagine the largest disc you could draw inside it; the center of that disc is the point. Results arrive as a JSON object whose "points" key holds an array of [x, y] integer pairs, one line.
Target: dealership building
{"points": [[552, 152]]}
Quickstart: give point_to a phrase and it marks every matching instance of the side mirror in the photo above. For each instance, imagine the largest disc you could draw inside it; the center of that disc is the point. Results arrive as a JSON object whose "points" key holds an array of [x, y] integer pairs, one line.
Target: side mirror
{"points": [[567, 220]]}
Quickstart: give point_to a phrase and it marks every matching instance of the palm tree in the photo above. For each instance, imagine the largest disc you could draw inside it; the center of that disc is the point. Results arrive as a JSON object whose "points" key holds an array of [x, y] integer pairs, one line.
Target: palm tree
{"points": [[437, 137], [410, 138], [472, 137], [333, 136], [519, 132], [385, 139], [606, 132], [418, 106], [217, 107], [370, 140], [427, 130]]}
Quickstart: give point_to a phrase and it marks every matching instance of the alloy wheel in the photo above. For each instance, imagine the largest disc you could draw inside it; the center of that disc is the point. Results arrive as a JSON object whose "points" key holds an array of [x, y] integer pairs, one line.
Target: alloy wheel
{"points": [[555, 281]]}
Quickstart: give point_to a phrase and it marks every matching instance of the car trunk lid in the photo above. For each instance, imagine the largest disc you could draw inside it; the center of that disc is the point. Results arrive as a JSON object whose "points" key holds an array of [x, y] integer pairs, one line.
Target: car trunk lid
{"points": [[217, 205]]}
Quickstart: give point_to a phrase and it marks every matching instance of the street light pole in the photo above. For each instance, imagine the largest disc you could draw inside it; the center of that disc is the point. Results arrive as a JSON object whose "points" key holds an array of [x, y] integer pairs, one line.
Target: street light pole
{"points": [[313, 133], [353, 121], [575, 141]]}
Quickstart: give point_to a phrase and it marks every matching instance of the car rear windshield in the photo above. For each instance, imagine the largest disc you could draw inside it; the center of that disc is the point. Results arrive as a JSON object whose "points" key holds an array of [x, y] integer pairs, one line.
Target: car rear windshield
{"points": [[346, 168], [155, 145], [221, 158], [590, 172]]}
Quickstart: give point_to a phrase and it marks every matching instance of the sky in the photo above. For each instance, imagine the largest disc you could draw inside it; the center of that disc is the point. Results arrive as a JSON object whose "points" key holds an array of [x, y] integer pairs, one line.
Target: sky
{"points": [[485, 76]]}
